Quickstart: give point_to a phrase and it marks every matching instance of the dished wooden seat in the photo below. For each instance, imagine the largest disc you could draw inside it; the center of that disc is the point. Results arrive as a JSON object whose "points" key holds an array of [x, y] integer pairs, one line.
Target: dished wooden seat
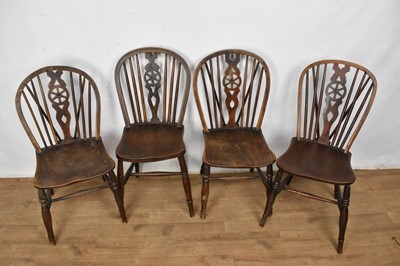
{"points": [[70, 163], [236, 148], [317, 161], [151, 142]]}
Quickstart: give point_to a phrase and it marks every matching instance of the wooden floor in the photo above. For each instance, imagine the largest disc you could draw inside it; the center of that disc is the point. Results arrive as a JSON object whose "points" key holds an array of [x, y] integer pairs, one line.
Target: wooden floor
{"points": [[160, 231]]}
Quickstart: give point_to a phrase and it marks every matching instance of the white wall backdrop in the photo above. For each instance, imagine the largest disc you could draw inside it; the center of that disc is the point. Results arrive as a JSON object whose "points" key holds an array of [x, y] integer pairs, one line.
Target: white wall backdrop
{"points": [[288, 34]]}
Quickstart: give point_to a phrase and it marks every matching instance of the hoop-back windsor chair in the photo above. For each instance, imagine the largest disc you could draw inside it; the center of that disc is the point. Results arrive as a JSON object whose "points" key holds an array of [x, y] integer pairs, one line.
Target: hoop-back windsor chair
{"points": [[153, 87], [59, 108], [334, 99], [231, 89]]}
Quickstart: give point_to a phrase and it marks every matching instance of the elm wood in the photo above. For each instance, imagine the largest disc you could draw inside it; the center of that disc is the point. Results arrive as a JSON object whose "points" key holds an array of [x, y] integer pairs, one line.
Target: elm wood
{"points": [[309, 159], [59, 108], [231, 89], [156, 80], [70, 163], [150, 142], [336, 96]]}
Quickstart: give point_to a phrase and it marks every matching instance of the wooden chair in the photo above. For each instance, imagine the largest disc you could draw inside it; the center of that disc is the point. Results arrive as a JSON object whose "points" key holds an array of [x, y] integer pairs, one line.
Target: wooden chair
{"points": [[153, 87], [334, 99], [59, 108], [231, 89]]}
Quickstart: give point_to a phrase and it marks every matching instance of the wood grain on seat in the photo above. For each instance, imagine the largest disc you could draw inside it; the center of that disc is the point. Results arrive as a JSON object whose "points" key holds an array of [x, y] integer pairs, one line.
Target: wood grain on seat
{"points": [[236, 148], [70, 163], [316, 161], [150, 142]]}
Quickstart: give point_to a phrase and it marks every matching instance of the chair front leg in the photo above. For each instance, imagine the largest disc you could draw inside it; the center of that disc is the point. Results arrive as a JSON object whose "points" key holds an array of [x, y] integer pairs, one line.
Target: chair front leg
{"points": [[45, 203], [344, 214], [271, 198], [186, 184], [115, 188], [121, 178], [205, 190]]}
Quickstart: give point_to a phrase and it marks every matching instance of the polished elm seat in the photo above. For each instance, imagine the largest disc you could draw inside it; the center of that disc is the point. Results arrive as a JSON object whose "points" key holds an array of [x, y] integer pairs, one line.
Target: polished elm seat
{"points": [[151, 142], [244, 146], [317, 161], [72, 163]]}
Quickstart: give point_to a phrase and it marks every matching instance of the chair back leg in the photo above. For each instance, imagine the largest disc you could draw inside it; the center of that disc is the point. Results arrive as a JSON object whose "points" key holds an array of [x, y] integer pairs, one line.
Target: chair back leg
{"points": [[137, 168]]}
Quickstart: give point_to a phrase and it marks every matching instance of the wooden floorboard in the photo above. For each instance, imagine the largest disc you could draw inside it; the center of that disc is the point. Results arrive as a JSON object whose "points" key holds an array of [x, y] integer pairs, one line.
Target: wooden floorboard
{"points": [[160, 232]]}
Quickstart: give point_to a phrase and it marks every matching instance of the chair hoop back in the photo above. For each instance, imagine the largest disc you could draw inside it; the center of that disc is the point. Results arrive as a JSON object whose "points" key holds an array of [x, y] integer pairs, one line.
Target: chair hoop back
{"points": [[334, 99], [152, 83], [230, 84], [58, 104]]}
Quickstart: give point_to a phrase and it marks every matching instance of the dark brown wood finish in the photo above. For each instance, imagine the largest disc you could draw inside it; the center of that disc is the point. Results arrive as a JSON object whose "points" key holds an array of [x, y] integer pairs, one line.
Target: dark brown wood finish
{"points": [[231, 89], [334, 99], [153, 87], [59, 108]]}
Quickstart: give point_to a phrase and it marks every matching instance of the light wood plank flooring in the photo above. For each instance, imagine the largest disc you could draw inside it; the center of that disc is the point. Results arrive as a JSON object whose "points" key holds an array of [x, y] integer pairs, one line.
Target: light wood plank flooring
{"points": [[160, 231]]}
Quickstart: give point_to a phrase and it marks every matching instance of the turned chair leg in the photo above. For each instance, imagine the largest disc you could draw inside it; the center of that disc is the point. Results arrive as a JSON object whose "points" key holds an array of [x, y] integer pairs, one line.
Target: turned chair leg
{"points": [[336, 192], [186, 184], [271, 198], [289, 180], [116, 189], [202, 168], [344, 214], [205, 190], [121, 178], [45, 202], [270, 173], [137, 168], [266, 179]]}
